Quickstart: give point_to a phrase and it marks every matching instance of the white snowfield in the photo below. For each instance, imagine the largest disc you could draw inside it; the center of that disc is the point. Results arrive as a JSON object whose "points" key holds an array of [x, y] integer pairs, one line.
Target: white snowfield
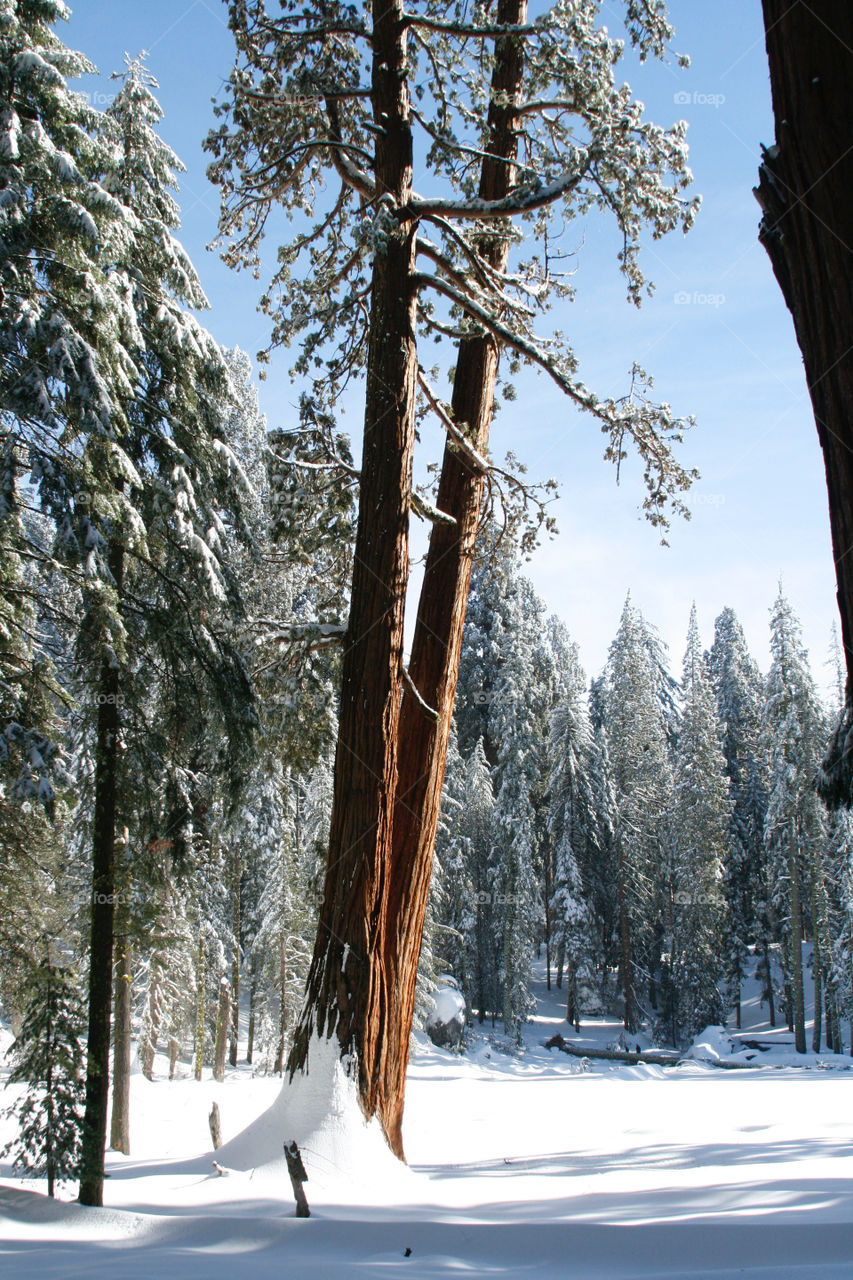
{"points": [[521, 1164]]}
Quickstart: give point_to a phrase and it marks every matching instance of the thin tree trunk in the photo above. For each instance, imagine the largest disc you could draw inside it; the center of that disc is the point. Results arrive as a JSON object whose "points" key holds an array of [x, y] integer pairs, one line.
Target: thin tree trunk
{"points": [[120, 1119], [797, 1005], [50, 1158], [223, 1024], [278, 1066], [817, 954], [94, 1134], [235, 958], [200, 1006], [547, 869], [148, 1050], [437, 640], [626, 965], [250, 1047], [768, 978], [806, 194], [346, 989]]}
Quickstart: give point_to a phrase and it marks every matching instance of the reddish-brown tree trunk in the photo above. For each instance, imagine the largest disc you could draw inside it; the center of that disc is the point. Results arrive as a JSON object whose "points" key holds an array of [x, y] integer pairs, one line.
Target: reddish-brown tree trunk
{"points": [[806, 194], [346, 992], [437, 640]]}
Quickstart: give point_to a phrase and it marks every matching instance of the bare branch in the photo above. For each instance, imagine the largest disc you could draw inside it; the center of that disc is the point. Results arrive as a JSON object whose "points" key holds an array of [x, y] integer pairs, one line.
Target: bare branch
{"points": [[474, 459], [424, 706]]}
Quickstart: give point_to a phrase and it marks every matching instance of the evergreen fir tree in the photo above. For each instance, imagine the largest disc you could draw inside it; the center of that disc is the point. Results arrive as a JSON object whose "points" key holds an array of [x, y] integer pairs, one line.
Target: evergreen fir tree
{"points": [[700, 818], [636, 732], [794, 828], [48, 1060], [737, 686]]}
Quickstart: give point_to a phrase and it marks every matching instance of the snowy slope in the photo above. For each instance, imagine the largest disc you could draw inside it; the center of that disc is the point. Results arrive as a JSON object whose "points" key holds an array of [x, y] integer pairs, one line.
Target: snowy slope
{"points": [[519, 1164]]}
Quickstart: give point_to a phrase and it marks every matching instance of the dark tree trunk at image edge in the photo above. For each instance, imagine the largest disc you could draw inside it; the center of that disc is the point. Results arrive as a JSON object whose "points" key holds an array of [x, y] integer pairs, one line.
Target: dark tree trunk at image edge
{"points": [[806, 194], [102, 923], [437, 640], [346, 992]]}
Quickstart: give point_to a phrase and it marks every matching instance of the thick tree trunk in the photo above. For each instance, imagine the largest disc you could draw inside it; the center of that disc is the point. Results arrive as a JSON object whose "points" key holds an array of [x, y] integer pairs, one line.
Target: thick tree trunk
{"points": [[437, 640], [120, 1118], [235, 958], [806, 193], [102, 921], [346, 991]]}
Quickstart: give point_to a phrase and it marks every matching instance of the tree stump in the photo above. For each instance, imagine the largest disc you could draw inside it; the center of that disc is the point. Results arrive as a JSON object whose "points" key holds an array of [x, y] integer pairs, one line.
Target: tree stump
{"points": [[296, 1169], [215, 1126]]}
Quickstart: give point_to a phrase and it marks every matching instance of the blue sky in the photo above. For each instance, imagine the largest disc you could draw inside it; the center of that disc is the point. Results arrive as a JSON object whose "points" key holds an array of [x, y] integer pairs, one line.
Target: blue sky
{"points": [[716, 336]]}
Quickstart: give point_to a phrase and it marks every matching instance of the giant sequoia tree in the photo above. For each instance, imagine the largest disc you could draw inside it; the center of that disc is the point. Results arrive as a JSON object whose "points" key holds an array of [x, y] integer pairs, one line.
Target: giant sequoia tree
{"points": [[805, 185], [514, 122]]}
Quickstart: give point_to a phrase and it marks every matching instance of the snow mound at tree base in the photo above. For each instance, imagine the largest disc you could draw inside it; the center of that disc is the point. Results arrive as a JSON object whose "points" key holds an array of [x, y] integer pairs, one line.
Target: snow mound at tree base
{"points": [[711, 1045], [319, 1109]]}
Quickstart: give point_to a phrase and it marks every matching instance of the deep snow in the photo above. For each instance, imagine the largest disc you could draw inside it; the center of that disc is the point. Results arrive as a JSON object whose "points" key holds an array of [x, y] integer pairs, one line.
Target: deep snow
{"points": [[520, 1163]]}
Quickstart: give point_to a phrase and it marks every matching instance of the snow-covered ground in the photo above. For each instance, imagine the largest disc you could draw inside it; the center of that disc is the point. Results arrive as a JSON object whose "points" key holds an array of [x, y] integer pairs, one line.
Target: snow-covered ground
{"points": [[519, 1164]]}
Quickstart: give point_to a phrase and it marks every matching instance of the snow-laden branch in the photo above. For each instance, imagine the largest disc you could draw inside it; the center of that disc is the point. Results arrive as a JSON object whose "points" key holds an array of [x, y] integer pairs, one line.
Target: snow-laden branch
{"points": [[484, 31], [427, 511], [522, 199], [523, 346], [352, 174], [314, 635]]}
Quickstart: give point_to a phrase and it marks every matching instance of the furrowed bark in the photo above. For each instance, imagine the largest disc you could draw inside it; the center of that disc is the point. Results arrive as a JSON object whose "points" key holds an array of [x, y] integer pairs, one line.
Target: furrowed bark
{"points": [[346, 993], [91, 1190], [806, 194], [437, 639]]}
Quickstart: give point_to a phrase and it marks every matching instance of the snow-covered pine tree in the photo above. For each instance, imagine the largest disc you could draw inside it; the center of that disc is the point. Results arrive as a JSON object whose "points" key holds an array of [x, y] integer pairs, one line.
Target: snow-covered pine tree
{"points": [[518, 719], [794, 826], [49, 1061], [63, 352], [738, 690], [636, 732], [466, 848], [577, 849], [162, 534], [701, 811]]}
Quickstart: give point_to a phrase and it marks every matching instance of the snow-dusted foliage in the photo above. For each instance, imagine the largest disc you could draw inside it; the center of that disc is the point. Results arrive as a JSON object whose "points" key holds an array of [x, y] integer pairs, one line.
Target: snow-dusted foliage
{"points": [[699, 833], [635, 725], [48, 1058], [738, 690]]}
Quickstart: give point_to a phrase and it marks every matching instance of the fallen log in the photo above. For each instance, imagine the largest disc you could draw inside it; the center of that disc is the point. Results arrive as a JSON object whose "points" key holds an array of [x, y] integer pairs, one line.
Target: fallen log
{"points": [[654, 1057]]}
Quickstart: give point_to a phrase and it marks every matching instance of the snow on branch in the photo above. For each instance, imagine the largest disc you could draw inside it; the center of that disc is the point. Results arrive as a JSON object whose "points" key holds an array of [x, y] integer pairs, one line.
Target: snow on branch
{"points": [[427, 511], [525, 198]]}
